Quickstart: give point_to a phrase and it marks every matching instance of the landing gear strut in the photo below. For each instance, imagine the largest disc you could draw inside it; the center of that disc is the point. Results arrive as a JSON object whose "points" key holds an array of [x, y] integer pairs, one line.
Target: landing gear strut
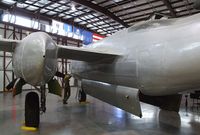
{"points": [[43, 99], [32, 107]]}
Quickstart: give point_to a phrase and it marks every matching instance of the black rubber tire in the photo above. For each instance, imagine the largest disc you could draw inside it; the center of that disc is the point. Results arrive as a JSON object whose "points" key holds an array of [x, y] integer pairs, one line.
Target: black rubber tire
{"points": [[32, 110], [82, 96]]}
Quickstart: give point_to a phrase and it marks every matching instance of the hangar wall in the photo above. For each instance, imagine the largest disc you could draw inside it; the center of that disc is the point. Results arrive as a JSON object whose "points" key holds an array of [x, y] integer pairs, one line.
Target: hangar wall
{"points": [[6, 73]]}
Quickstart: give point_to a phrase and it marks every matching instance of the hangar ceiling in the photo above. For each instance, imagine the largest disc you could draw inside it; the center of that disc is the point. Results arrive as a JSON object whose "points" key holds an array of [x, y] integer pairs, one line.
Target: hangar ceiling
{"points": [[102, 16]]}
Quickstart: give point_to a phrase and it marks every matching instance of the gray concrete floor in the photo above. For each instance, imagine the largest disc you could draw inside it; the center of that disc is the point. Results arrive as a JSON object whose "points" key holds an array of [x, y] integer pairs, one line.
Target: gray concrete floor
{"points": [[95, 118]]}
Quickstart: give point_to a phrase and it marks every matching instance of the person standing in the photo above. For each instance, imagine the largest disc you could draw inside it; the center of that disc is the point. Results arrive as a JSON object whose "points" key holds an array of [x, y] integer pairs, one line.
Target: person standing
{"points": [[67, 90]]}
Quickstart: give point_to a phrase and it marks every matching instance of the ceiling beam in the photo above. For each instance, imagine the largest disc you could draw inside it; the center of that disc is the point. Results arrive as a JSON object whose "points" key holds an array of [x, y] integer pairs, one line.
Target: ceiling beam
{"points": [[169, 6], [101, 10], [103, 26], [145, 9], [103, 2], [139, 11], [133, 18], [131, 14], [133, 6], [123, 2]]}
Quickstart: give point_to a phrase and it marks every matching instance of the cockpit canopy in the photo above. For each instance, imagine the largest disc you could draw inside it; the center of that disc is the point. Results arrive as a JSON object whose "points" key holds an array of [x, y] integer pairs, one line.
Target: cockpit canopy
{"points": [[151, 25]]}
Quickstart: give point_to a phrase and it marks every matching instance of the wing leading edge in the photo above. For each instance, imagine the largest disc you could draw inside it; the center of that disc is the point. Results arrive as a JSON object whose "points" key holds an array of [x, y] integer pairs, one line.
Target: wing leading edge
{"points": [[67, 52], [85, 54]]}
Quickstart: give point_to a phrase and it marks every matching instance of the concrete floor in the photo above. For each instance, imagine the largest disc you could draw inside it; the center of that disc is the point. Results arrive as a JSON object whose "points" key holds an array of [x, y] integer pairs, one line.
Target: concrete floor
{"points": [[95, 118]]}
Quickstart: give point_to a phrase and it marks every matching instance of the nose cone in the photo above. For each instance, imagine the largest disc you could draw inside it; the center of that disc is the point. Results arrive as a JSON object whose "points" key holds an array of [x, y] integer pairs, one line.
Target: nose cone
{"points": [[29, 57]]}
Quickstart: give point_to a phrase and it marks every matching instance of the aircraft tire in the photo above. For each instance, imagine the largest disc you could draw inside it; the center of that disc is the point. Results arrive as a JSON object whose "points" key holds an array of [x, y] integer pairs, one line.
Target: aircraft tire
{"points": [[32, 110], [81, 96]]}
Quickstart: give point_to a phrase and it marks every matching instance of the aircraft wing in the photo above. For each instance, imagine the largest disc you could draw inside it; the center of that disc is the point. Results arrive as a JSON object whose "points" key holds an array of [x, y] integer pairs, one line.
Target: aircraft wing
{"points": [[8, 45], [86, 53]]}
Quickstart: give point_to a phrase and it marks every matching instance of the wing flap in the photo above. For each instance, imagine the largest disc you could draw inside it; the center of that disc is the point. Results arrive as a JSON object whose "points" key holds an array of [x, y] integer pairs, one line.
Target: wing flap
{"points": [[8, 45], [126, 98], [85, 54]]}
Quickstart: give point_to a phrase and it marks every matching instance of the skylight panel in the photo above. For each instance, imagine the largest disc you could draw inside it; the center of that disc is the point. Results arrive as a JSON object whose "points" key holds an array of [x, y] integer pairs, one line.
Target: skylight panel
{"points": [[21, 5], [51, 13], [10, 2], [32, 8]]}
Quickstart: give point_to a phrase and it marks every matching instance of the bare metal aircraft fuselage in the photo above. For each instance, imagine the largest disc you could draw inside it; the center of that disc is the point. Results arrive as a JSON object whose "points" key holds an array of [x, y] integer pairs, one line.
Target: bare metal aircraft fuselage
{"points": [[159, 57]]}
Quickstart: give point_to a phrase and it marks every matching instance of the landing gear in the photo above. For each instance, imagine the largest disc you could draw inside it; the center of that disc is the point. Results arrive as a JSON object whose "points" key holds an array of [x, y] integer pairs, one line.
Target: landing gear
{"points": [[32, 110], [32, 107], [81, 96], [43, 99]]}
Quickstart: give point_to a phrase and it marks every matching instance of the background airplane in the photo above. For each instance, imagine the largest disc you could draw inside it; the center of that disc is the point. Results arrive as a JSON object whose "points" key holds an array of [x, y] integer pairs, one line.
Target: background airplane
{"points": [[149, 62]]}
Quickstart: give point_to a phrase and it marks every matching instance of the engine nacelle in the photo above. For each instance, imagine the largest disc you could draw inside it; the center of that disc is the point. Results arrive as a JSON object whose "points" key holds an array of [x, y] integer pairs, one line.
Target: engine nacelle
{"points": [[35, 58]]}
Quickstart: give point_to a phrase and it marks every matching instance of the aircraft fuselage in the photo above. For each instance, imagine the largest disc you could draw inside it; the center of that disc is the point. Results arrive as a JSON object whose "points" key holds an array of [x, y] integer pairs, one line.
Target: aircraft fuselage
{"points": [[160, 57]]}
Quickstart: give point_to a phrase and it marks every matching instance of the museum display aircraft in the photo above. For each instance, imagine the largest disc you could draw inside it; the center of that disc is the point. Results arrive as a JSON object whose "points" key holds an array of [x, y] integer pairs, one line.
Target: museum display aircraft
{"points": [[151, 62]]}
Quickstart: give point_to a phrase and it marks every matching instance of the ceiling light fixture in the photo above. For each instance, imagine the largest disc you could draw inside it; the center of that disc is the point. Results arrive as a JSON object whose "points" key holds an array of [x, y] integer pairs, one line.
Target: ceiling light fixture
{"points": [[73, 8]]}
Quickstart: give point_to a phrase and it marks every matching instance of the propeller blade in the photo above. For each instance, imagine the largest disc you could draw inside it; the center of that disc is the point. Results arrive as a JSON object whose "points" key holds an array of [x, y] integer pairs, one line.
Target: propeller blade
{"points": [[17, 88], [11, 84], [54, 87]]}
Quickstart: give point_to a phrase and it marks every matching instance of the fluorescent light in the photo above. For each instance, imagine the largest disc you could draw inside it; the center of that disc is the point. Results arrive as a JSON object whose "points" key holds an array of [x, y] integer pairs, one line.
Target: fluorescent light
{"points": [[73, 8]]}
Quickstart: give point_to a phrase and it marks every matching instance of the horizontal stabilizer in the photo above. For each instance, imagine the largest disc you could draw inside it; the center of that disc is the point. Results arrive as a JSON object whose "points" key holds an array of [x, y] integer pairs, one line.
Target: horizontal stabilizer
{"points": [[8, 45], [85, 54]]}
